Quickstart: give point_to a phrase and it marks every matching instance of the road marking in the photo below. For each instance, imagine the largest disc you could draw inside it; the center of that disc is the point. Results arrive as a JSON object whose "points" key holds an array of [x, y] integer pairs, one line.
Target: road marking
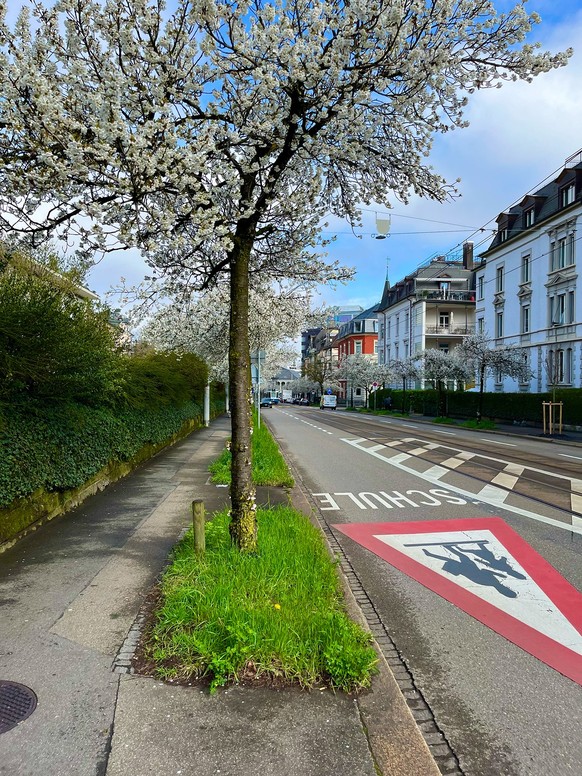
{"points": [[505, 480], [448, 433], [486, 569], [494, 442], [492, 495], [389, 500], [409, 425], [435, 473], [577, 457], [452, 463], [574, 528]]}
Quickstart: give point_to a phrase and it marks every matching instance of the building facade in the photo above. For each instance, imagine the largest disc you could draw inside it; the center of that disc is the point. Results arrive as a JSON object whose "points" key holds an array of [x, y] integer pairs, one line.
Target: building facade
{"points": [[357, 337], [526, 285], [433, 307]]}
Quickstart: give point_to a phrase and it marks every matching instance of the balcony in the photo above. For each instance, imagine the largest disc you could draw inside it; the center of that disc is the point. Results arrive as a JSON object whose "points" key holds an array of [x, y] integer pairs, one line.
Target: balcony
{"points": [[450, 331], [446, 296]]}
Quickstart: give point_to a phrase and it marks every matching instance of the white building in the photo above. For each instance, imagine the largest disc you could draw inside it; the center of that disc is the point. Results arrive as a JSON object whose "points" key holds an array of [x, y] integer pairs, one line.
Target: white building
{"points": [[527, 284], [434, 307]]}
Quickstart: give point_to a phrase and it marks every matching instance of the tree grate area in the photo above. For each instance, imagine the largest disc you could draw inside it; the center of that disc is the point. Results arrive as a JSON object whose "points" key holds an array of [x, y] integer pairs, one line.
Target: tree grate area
{"points": [[17, 702]]}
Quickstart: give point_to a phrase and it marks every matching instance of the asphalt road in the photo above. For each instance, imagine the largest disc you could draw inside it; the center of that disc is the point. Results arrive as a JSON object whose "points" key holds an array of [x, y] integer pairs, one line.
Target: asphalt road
{"points": [[503, 711]]}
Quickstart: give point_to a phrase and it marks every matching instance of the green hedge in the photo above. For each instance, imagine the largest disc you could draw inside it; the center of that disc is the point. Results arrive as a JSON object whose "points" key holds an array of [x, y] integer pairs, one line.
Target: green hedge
{"points": [[62, 447], [504, 407]]}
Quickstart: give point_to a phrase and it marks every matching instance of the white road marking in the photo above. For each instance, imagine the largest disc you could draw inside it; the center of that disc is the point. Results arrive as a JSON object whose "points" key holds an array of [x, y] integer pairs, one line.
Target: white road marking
{"points": [[409, 425], [493, 442], [434, 473], [514, 468], [452, 463], [505, 480], [574, 528], [448, 433], [577, 457], [492, 495]]}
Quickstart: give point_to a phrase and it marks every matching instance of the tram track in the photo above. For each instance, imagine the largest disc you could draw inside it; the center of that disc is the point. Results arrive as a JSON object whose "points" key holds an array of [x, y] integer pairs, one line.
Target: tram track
{"points": [[557, 488]]}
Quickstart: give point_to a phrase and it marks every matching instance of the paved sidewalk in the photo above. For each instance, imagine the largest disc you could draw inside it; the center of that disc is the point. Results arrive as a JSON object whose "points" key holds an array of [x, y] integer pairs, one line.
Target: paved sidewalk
{"points": [[69, 595]]}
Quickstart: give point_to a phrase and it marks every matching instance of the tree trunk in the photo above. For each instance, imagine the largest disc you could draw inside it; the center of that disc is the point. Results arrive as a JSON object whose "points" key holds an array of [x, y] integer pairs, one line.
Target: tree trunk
{"points": [[243, 521]]}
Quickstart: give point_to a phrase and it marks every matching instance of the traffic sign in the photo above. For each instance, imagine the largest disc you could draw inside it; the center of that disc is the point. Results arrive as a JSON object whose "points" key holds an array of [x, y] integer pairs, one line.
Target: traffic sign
{"points": [[486, 569]]}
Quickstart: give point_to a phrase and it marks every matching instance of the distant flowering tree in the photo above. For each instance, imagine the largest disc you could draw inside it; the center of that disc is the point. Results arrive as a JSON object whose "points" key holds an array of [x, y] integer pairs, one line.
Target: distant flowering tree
{"points": [[440, 368], [216, 136], [481, 356], [361, 372], [404, 369]]}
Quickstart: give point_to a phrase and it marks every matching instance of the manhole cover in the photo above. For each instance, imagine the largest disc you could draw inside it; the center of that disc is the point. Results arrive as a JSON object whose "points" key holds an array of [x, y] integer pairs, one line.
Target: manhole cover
{"points": [[17, 702]]}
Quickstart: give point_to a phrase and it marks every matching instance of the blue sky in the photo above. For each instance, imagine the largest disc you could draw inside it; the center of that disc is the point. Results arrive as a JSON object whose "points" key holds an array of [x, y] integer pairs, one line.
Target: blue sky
{"points": [[518, 136]]}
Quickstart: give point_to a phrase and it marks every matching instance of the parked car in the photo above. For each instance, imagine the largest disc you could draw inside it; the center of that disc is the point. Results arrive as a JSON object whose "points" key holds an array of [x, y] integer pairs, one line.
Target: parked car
{"points": [[266, 403], [274, 401], [304, 402]]}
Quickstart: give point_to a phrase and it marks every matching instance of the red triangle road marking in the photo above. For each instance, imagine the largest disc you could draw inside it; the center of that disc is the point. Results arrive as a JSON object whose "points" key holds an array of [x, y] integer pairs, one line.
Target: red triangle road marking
{"points": [[486, 569]]}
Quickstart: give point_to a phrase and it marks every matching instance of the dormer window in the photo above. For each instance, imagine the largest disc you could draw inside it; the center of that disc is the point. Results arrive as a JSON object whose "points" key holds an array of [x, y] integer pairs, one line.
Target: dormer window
{"points": [[528, 218], [503, 235], [567, 195]]}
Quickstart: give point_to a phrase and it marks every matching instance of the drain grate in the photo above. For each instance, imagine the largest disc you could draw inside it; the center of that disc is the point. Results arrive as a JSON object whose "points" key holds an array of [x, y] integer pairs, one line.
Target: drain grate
{"points": [[17, 702]]}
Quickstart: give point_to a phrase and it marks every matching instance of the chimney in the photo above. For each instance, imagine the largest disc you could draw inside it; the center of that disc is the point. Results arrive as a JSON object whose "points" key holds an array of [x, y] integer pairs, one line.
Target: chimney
{"points": [[468, 255]]}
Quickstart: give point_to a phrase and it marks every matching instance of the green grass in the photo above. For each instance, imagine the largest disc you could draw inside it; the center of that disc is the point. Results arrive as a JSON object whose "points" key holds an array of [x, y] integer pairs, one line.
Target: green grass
{"points": [[277, 614], [442, 420], [484, 424], [269, 467]]}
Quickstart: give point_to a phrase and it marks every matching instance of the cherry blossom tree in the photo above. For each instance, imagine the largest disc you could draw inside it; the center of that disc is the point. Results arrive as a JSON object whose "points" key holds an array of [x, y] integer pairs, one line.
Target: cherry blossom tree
{"points": [[482, 358], [362, 372], [404, 369], [217, 135], [440, 368]]}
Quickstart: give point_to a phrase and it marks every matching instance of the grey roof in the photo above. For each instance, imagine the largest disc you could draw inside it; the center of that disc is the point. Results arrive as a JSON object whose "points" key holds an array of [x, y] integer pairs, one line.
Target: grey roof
{"points": [[545, 202]]}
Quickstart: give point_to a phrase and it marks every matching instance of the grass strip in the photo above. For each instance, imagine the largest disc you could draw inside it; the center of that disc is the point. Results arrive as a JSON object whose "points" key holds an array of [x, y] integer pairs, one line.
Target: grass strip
{"points": [[269, 467], [275, 615]]}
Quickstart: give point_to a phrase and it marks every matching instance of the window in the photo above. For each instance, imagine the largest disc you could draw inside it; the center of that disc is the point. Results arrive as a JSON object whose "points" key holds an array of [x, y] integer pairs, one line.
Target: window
{"points": [[444, 319], [560, 366], [388, 329], [503, 235], [525, 268], [525, 324], [562, 308], [444, 287], [480, 325], [357, 326], [376, 347], [567, 195], [499, 325], [397, 326], [498, 377], [562, 252], [382, 331], [499, 280], [444, 347], [480, 286], [358, 347], [528, 217]]}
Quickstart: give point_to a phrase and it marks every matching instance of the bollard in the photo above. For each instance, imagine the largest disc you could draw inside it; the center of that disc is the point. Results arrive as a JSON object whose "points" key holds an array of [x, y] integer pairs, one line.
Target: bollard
{"points": [[198, 522]]}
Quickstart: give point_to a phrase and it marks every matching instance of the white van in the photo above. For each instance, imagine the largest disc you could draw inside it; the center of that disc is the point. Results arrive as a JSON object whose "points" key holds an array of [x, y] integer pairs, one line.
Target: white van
{"points": [[328, 401]]}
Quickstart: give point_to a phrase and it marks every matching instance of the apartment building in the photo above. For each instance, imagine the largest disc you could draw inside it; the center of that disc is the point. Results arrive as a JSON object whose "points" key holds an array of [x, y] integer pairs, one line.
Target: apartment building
{"points": [[433, 307], [526, 285]]}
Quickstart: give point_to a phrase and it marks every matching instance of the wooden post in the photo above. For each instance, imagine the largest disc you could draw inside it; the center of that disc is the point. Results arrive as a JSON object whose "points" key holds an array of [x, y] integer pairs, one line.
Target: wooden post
{"points": [[198, 523]]}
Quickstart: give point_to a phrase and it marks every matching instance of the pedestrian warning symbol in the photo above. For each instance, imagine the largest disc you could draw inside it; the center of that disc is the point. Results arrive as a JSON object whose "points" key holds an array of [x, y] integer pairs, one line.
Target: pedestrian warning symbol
{"points": [[485, 568]]}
